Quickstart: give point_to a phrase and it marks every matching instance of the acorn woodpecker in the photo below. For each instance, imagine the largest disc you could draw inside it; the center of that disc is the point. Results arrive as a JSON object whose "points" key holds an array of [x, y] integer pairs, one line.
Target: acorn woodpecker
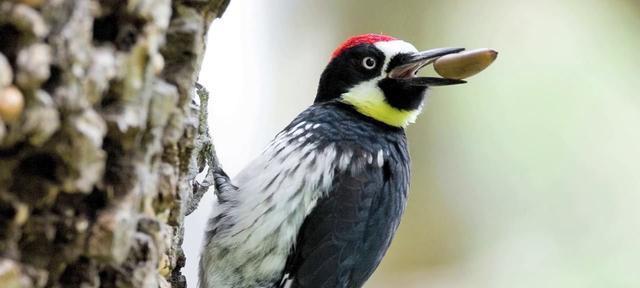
{"points": [[320, 205]]}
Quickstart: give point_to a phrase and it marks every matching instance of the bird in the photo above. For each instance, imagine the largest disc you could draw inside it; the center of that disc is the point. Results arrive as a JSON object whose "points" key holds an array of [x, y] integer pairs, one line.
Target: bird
{"points": [[319, 206]]}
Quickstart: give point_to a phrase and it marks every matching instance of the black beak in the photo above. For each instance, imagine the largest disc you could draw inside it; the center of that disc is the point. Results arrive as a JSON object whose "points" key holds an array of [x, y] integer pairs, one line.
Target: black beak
{"points": [[404, 67]]}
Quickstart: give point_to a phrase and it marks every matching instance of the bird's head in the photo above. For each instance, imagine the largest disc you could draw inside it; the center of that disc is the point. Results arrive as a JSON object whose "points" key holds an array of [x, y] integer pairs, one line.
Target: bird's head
{"points": [[376, 74]]}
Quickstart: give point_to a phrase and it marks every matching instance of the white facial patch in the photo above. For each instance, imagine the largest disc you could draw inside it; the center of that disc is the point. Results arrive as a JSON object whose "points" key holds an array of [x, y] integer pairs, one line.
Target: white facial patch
{"points": [[393, 48]]}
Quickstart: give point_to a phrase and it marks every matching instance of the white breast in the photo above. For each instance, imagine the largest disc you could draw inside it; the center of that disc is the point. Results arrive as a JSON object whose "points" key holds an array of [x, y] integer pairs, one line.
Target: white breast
{"points": [[256, 228]]}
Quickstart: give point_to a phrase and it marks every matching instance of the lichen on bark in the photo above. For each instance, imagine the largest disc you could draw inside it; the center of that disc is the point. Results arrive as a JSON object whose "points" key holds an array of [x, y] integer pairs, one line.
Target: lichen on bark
{"points": [[100, 139]]}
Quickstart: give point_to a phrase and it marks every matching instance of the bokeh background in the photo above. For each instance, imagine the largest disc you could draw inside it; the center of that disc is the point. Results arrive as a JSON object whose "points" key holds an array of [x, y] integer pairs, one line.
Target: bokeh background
{"points": [[527, 176]]}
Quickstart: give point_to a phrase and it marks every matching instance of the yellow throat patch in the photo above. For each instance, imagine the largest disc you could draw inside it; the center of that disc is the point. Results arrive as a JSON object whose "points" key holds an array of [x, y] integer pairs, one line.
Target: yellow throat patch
{"points": [[368, 99]]}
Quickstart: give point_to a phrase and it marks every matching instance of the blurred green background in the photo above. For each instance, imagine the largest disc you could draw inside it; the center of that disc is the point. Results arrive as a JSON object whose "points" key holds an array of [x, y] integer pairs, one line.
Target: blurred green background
{"points": [[527, 176]]}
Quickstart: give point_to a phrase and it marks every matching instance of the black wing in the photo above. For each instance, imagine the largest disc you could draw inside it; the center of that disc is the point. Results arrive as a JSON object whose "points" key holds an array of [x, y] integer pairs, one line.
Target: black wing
{"points": [[344, 238]]}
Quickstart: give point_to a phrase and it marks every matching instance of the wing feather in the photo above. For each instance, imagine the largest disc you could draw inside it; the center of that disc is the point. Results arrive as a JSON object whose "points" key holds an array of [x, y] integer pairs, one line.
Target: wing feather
{"points": [[344, 238]]}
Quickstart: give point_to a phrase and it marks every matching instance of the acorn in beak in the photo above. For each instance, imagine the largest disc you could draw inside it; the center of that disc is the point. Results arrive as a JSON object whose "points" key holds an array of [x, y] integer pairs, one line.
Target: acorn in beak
{"points": [[451, 63]]}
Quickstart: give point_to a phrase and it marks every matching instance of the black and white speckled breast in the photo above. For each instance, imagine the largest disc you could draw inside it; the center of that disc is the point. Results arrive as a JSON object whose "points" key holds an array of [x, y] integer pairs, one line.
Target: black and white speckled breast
{"points": [[251, 233]]}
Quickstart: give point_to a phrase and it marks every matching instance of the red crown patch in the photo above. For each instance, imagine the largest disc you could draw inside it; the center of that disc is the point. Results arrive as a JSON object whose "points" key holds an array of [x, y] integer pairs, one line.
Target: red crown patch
{"points": [[360, 39]]}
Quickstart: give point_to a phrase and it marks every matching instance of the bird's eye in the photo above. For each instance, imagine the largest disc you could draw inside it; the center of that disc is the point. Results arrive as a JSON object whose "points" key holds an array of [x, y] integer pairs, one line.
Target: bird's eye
{"points": [[369, 63]]}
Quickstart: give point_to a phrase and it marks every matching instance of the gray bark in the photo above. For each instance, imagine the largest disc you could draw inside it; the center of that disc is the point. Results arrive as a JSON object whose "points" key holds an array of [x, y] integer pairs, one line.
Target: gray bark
{"points": [[100, 139]]}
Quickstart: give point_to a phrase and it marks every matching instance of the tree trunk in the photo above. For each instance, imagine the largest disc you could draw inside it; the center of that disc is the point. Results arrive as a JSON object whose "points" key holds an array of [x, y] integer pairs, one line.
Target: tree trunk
{"points": [[101, 138]]}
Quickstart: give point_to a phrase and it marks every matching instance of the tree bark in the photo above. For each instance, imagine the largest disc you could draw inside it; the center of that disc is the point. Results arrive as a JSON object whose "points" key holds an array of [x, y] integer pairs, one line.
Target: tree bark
{"points": [[101, 137]]}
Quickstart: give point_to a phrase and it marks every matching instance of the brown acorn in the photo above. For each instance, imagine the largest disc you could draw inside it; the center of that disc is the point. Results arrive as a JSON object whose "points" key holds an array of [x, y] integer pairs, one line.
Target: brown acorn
{"points": [[464, 64]]}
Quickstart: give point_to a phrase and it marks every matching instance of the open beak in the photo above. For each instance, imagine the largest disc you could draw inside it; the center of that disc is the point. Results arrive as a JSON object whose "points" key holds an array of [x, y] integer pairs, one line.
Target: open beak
{"points": [[404, 67]]}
